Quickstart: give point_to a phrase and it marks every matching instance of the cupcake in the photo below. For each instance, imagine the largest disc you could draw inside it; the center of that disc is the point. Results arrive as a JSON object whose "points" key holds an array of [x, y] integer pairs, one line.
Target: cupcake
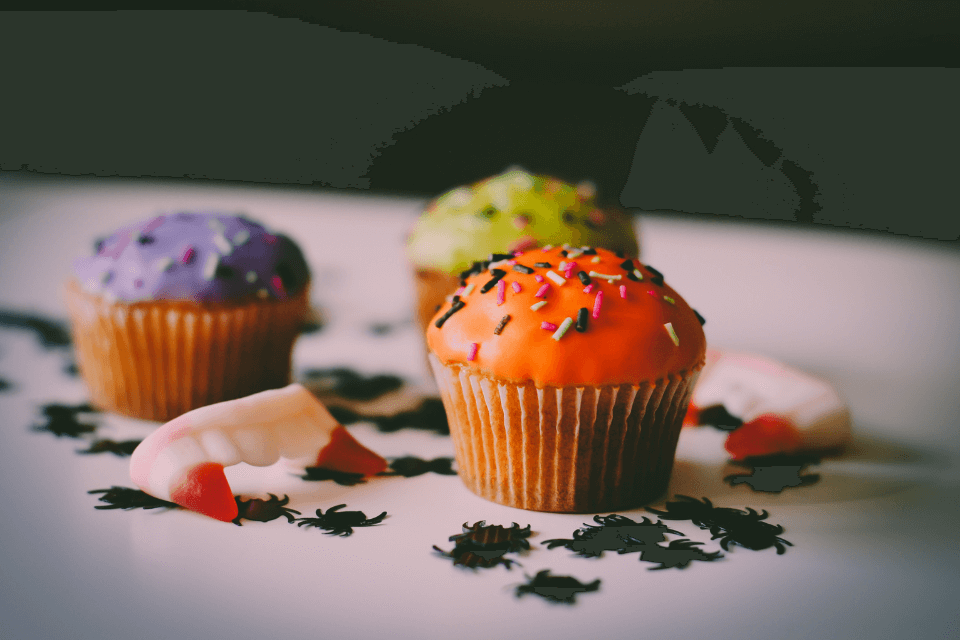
{"points": [[565, 374], [509, 212], [186, 310]]}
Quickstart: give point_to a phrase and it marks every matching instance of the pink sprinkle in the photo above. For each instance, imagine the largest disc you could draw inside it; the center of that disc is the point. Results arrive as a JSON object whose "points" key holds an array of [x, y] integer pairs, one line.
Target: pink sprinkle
{"points": [[544, 250], [588, 288], [549, 326], [186, 256], [596, 305], [538, 278], [474, 347], [623, 291], [153, 224], [515, 286], [269, 239], [542, 291], [652, 292], [501, 292], [518, 253], [511, 262], [138, 283], [459, 291], [278, 287]]}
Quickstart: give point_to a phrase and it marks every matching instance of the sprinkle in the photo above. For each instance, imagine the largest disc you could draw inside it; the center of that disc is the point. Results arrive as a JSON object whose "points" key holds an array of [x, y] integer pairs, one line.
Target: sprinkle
{"points": [[548, 326], [497, 264], [605, 276], [517, 254], [269, 238], [588, 288], [590, 251], [522, 268], [162, 264], [584, 278], [251, 276], [623, 291], [138, 283], [657, 280], [106, 277], [459, 291], [582, 319], [467, 290], [563, 328], [669, 299], [263, 293], [654, 271], [501, 292], [537, 305], [563, 265], [186, 256], [627, 265], [210, 266], [564, 253], [574, 253], [699, 317], [619, 254], [153, 224], [542, 291], [515, 286], [652, 292], [673, 334], [595, 259], [223, 244], [500, 325], [638, 274], [566, 246], [241, 237], [556, 277], [538, 278], [512, 262], [474, 347], [498, 257], [459, 304], [596, 304], [492, 282], [546, 248], [144, 240], [568, 273], [278, 286], [542, 265], [215, 224]]}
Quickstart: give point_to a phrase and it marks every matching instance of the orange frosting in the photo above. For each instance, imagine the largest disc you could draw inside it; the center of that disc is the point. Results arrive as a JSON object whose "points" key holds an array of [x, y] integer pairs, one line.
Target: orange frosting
{"points": [[627, 343]]}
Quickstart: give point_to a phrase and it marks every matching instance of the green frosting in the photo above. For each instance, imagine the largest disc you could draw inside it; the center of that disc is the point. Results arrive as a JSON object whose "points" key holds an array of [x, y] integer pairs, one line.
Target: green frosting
{"points": [[511, 211]]}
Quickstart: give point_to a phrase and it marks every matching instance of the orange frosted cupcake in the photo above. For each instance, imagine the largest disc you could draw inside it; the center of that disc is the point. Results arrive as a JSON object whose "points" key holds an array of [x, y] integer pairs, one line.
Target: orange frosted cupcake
{"points": [[565, 374]]}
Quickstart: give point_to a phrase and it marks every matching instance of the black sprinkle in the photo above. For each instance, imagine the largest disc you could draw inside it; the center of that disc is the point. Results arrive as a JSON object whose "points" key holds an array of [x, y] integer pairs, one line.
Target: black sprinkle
{"points": [[145, 240], [98, 245], [522, 268], [657, 280], [500, 325], [459, 304], [590, 251], [563, 252], [619, 254], [455, 300], [223, 271], [627, 265], [492, 282], [699, 317], [632, 276], [497, 257], [542, 265], [582, 316], [654, 271], [584, 277]]}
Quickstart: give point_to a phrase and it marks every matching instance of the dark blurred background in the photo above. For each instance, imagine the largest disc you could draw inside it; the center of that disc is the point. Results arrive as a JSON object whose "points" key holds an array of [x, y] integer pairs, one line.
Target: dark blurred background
{"points": [[811, 113]]}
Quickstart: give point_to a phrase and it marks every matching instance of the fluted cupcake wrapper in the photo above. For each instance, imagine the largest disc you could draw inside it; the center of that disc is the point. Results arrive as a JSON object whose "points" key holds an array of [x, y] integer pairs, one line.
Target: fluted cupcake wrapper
{"points": [[568, 449], [156, 360]]}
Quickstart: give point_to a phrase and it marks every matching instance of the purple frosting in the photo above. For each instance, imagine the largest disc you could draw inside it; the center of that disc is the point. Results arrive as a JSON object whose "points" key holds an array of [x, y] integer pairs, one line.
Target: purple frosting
{"points": [[204, 257]]}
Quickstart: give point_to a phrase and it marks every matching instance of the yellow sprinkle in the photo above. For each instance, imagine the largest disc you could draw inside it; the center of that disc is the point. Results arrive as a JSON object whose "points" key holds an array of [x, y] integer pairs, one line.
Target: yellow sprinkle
{"points": [[562, 329], [595, 259], [669, 299], [638, 273], [537, 305]]}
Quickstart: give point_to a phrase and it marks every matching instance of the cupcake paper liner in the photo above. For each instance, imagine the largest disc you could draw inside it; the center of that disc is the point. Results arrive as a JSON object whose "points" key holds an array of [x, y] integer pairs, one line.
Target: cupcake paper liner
{"points": [[564, 449], [156, 360]]}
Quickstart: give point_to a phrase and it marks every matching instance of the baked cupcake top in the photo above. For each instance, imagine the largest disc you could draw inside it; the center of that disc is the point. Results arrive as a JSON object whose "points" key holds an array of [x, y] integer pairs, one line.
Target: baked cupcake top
{"points": [[203, 257], [513, 211], [568, 317]]}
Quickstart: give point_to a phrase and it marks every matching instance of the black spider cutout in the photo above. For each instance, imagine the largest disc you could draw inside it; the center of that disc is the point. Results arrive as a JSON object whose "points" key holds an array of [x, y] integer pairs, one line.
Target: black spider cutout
{"points": [[485, 546], [351, 385], [732, 526], [429, 415], [62, 420], [718, 417], [126, 498], [562, 589], [343, 478], [410, 466], [623, 535], [775, 473], [123, 448], [340, 523], [50, 333], [260, 510]]}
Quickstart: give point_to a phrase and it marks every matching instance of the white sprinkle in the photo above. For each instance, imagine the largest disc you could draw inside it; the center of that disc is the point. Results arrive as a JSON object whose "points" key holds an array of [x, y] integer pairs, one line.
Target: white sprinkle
{"points": [[242, 236], [595, 259], [468, 290], [537, 305], [556, 277], [563, 265], [566, 246], [251, 276], [673, 334], [574, 253], [210, 266], [562, 329], [215, 224], [162, 264], [547, 247], [637, 273], [605, 276], [498, 264], [223, 244], [263, 293]]}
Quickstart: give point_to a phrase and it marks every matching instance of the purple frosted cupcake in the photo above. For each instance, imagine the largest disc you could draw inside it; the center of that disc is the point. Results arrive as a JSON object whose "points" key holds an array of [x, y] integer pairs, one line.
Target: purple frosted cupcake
{"points": [[186, 310]]}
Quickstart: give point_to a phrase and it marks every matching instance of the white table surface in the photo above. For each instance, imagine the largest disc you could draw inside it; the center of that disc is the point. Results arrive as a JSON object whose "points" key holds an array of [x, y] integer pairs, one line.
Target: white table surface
{"points": [[875, 541]]}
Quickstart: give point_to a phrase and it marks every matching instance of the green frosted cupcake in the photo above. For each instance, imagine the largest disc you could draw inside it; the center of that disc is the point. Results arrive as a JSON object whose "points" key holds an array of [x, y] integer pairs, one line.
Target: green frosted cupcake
{"points": [[513, 211]]}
